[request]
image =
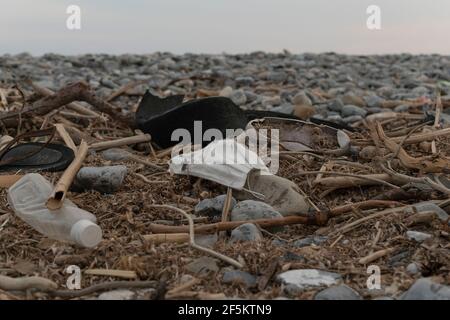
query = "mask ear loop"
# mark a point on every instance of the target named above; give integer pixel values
(41, 133)
(257, 195)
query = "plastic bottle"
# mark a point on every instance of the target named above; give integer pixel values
(27, 197)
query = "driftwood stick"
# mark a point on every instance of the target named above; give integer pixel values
(45, 105)
(364, 205)
(435, 165)
(147, 180)
(74, 115)
(79, 91)
(392, 115)
(102, 287)
(127, 274)
(145, 162)
(73, 105)
(318, 219)
(25, 283)
(417, 138)
(120, 142)
(413, 139)
(59, 192)
(227, 204)
(394, 103)
(3, 100)
(183, 287)
(361, 180)
(439, 108)
(124, 89)
(406, 192)
(356, 176)
(376, 255)
(66, 137)
(107, 108)
(165, 152)
(425, 217)
(437, 119)
(167, 238)
(198, 295)
(8, 180)
(226, 208)
(379, 214)
(425, 180)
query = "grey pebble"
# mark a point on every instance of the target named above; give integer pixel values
(213, 206)
(238, 97)
(350, 110)
(340, 292)
(203, 266)
(252, 210)
(426, 289)
(316, 240)
(418, 236)
(301, 279)
(246, 232)
(107, 179)
(239, 277)
(121, 294)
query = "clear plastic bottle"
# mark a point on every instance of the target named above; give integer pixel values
(27, 197)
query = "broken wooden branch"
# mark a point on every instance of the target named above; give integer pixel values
(147, 180)
(171, 294)
(408, 191)
(8, 180)
(120, 142)
(437, 117)
(425, 217)
(79, 91)
(429, 136)
(66, 137)
(394, 103)
(73, 105)
(167, 238)
(413, 139)
(379, 214)
(319, 218)
(58, 195)
(124, 88)
(354, 182)
(127, 274)
(376, 255)
(407, 179)
(364, 205)
(424, 164)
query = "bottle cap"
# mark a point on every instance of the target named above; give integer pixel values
(86, 233)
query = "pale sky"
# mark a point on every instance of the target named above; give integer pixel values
(231, 26)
